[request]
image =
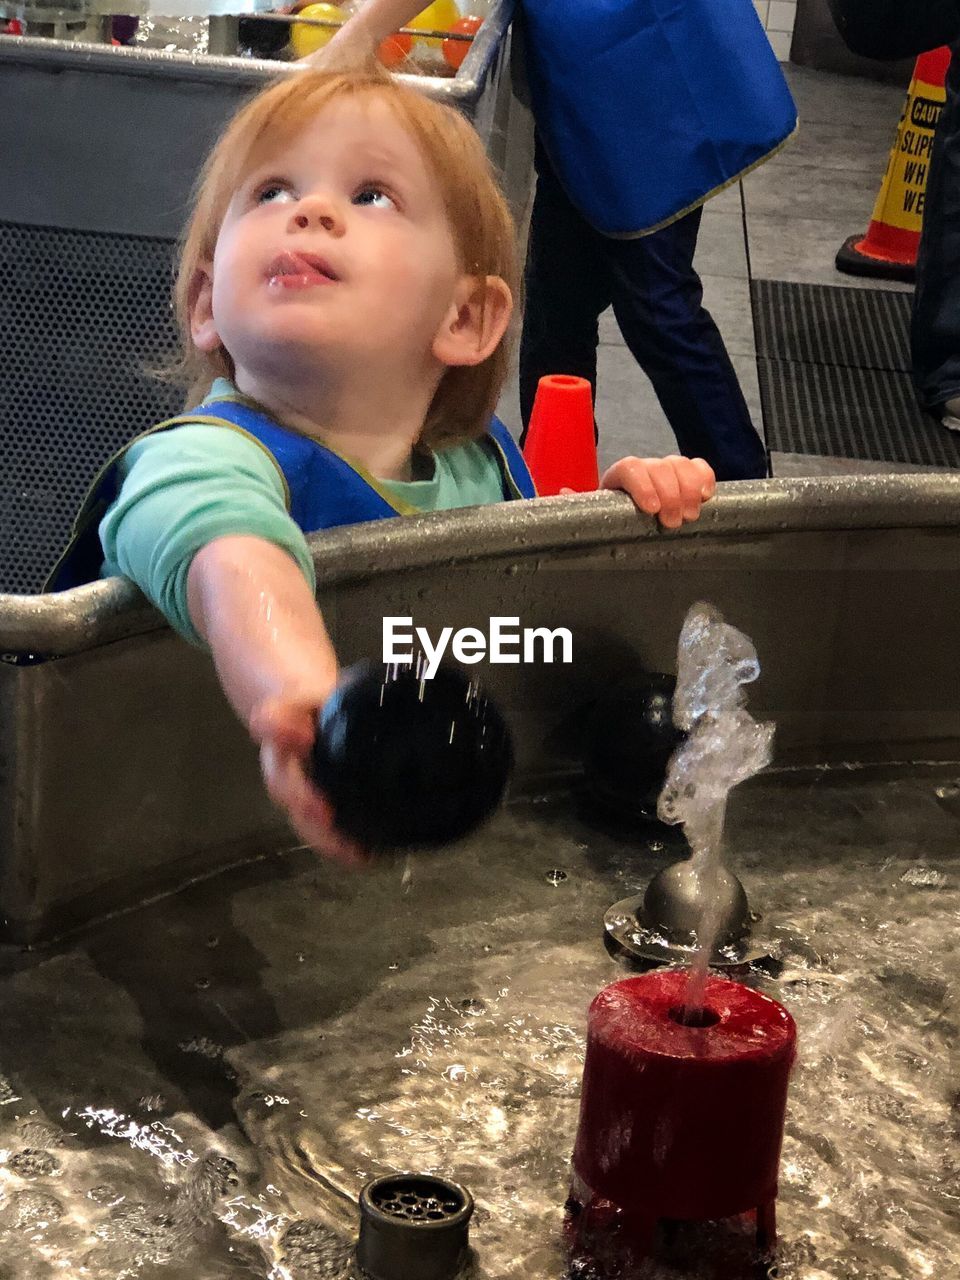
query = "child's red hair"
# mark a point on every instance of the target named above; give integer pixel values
(480, 222)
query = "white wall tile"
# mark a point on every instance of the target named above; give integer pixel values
(780, 40)
(781, 15)
(762, 6)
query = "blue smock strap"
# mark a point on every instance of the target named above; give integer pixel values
(511, 460)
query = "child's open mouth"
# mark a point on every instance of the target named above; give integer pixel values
(299, 271)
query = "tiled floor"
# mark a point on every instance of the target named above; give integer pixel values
(784, 222)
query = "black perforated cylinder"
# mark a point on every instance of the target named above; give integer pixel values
(413, 1227)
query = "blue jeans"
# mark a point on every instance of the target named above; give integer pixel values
(935, 335)
(573, 274)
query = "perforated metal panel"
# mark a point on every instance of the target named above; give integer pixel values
(83, 317)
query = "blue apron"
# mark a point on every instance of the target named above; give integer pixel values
(322, 489)
(648, 107)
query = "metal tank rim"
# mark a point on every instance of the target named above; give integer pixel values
(460, 90)
(85, 617)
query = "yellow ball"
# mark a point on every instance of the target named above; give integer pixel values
(305, 39)
(438, 16)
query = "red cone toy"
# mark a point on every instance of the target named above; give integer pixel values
(561, 451)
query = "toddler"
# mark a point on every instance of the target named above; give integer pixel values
(345, 286)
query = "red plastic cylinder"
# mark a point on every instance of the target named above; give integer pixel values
(682, 1121)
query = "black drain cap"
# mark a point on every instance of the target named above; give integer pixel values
(413, 1227)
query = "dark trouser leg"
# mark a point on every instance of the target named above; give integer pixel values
(935, 335)
(658, 301)
(566, 289)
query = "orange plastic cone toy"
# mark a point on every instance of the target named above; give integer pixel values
(560, 450)
(889, 249)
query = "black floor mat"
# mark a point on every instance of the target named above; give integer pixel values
(834, 375)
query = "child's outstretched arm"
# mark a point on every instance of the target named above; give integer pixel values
(673, 489)
(359, 37)
(250, 601)
(200, 524)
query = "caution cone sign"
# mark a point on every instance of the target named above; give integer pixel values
(889, 249)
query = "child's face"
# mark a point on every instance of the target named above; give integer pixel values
(336, 251)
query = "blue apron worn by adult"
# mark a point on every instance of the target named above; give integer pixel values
(322, 490)
(648, 107)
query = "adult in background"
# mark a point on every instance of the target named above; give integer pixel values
(888, 29)
(640, 117)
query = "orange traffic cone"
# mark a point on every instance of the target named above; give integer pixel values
(561, 450)
(889, 249)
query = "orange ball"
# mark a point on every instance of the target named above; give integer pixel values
(454, 51)
(395, 49)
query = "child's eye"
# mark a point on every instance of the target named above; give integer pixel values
(274, 193)
(375, 197)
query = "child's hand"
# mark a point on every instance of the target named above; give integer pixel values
(673, 489)
(285, 730)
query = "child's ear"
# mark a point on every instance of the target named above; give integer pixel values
(203, 330)
(476, 322)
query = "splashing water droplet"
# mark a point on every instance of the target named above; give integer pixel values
(924, 878)
(31, 1163)
(34, 1209)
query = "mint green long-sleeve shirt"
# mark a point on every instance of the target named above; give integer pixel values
(181, 489)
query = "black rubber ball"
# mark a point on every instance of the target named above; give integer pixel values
(630, 737)
(410, 763)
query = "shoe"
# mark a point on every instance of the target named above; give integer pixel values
(950, 414)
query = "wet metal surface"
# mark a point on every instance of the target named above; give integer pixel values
(104, 611)
(199, 1088)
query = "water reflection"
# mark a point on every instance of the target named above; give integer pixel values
(151, 1125)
